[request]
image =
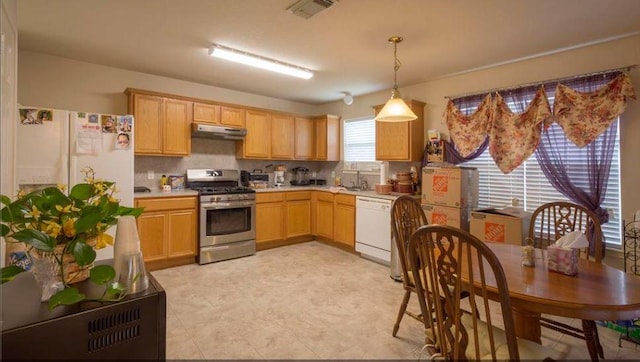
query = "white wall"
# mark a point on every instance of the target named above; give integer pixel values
(610, 55)
(49, 81)
(45, 80)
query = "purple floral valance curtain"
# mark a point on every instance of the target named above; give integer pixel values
(582, 125)
(514, 136)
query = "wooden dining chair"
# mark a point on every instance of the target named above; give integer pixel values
(457, 263)
(406, 217)
(549, 223)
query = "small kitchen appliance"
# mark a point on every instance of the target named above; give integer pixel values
(227, 215)
(278, 180)
(300, 176)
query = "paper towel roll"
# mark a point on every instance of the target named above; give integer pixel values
(383, 173)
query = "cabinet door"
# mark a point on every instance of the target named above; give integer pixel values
(177, 125)
(149, 131)
(324, 221)
(182, 228)
(269, 222)
(282, 134)
(344, 224)
(333, 139)
(401, 141)
(304, 144)
(327, 138)
(257, 143)
(392, 141)
(152, 235)
(298, 218)
(232, 116)
(206, 113)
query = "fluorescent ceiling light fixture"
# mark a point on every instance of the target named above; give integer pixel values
(257, 61)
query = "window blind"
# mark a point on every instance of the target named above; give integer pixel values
(360, 140)
(530, 187)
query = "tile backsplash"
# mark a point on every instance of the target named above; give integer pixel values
(221, 154)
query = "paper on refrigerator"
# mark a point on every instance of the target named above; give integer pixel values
(88, 134)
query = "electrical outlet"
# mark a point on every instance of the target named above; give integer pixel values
(150, 175)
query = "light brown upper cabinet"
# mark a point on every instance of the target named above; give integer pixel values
(282, 136)
(206, 113)
(257, 143)
(327, 138)
(401, 141)
(162, 124)
(232, 116)
(304, 142)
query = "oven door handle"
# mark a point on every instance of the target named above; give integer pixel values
(226, 205)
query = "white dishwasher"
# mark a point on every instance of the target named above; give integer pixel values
(373, 228)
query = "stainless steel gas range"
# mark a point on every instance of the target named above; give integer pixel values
(227, 221)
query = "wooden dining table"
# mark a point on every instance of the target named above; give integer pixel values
(597, 292)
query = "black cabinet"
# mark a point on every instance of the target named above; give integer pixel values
(134, 328)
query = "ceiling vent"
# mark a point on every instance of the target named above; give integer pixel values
(308, 8)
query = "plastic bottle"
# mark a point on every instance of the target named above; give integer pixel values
(163, 181)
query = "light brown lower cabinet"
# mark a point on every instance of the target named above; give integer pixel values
(269, 217)
(344, 220)
(324, 215)
(168, 231)
(298, 218)
(288, 217)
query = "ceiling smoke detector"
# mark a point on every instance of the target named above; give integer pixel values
(308, 8)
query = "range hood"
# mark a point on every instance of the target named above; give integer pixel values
(200, 130)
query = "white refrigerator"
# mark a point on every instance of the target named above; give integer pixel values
(53, 146)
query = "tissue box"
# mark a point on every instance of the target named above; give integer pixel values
(562, 260)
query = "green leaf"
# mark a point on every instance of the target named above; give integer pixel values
(81, 191)
(102, 274)
(83, 253)
(88, 219)
(4, 230)
(9, 272)
(5, 200)
(116, 291)
(35, 238)
(67, 296)
(134, 211)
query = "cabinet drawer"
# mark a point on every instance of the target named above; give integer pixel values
(298, 195)
(346, 200)
(269, 197)
(166, 203)
(325, 196)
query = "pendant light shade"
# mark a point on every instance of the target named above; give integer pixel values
(395, 110)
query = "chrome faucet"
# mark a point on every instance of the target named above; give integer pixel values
(362, 183)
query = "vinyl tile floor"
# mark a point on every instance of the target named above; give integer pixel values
(309, 301)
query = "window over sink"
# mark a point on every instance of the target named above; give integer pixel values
(360, 140)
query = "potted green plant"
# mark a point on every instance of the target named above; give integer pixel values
(66, 228)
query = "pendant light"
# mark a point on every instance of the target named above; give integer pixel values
(395, 110)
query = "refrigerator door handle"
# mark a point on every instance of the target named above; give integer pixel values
(73, 167)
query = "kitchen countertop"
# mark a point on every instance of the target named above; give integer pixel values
(368, 193)
(159, 193)
(189, 192)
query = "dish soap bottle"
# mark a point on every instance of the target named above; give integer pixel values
(163, 181)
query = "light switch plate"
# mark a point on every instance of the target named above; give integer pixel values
(150, 175)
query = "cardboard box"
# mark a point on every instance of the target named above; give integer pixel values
(446, 215)
(508, 225)
(450, 186)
